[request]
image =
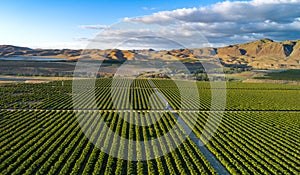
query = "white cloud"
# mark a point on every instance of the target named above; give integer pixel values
(220, 23)
(134, 36)
(228, 11)
(97, 26)
(149, 8)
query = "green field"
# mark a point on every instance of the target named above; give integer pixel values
(291, 74)
(40, 134)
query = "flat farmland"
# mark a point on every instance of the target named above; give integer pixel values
(41, 132)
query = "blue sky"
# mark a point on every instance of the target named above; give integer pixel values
(71, 24)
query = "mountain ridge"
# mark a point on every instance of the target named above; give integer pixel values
(263, 53)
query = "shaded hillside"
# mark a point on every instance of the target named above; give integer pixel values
(9, 50)
(263, 53)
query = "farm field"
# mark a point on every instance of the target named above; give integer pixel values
(291, 74)
(40, 134)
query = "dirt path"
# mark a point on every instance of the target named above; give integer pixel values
(214, 162)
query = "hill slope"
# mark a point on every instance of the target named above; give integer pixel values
(263, 53)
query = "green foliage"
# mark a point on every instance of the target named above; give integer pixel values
(256, 142)
(250, 140)
(291, 74)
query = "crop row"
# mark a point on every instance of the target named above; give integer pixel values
(254, 143)
(55, 144)
(138, 94)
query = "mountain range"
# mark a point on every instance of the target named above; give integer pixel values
(261, 54)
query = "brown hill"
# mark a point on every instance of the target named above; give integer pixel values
(9, 50)
(263, 53)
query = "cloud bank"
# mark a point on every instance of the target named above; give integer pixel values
(215, 25)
